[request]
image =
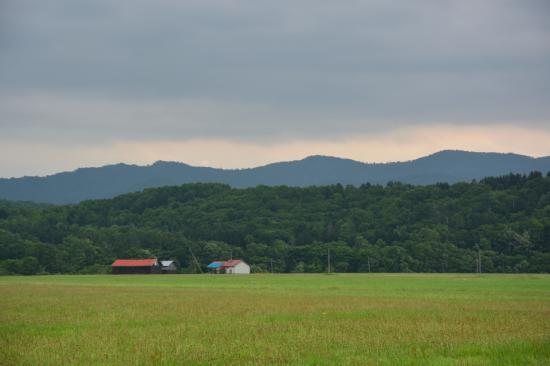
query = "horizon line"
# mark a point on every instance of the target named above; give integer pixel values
(273, 162)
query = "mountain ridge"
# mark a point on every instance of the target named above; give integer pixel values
(107, 181)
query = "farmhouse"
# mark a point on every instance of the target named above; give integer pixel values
(168, 267)
(232, 266)
(135, 266)
(236, 266)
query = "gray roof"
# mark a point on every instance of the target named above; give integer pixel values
(166, 263)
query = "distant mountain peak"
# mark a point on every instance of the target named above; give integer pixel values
(475, 153)
(105, 182)
(167, 163)
(321, 157)
(327, 158)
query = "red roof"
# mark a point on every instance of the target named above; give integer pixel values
(134, 263)
(231, 263)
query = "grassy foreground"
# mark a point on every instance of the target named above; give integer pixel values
(350, 319)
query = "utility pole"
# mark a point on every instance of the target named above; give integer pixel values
(328, 260)
(197, 264)
(231, 254)
(478, 260)
(271, 265)
(368, 262)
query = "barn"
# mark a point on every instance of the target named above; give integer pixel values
(135, 266)
(236, 266)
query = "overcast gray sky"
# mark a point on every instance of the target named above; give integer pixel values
(242, 83)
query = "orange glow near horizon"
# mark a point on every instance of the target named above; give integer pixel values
(398, 145)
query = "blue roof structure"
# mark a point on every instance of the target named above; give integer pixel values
(214, 265)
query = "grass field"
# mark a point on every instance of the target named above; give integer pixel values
(275, 319)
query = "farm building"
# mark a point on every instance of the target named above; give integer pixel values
(135, 266)
(168, 267)
(232, 266)
(236, 266)
(215, 266)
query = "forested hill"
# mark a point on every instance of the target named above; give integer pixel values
(110, 181)
(392, 228)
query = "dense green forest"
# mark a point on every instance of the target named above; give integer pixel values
(505, 221)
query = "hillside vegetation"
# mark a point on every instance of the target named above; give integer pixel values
(395, 228)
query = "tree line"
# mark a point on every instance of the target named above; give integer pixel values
(501, 224)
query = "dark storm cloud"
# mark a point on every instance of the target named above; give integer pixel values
(263, 69)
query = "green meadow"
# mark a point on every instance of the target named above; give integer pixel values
(344, 319)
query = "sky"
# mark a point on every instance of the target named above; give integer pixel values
(240, 83)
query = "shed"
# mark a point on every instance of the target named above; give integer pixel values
(135, 266)
(215, 266)
(236, 266)
(168, 266)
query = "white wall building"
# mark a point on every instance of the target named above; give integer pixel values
(236, 266)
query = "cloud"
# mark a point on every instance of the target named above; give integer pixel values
(76, 119)
(429, 60)
(89, 74)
